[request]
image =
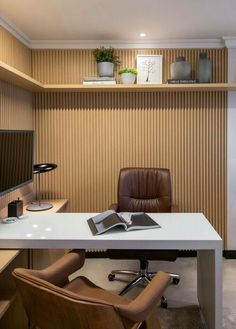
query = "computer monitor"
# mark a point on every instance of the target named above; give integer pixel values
(16, 159)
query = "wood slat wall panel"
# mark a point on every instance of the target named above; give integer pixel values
(92, 135)
(71, 65)
(14, 53)
(15, 113)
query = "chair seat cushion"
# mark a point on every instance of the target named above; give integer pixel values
(84, 287)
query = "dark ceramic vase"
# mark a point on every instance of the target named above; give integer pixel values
(180, 69)
(204, 68)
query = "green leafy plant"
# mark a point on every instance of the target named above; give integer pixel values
(129, 70)
(103, 54)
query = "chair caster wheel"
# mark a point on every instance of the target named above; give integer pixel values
(164, 303)
(175, 281)
(111, 277)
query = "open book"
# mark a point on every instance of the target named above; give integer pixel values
(128, 220)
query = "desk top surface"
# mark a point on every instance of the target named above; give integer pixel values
(70, 230)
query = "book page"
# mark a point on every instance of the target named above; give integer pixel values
(104, 222)
(126, 216)
(142, 221)
(100, 217)
(108, 222)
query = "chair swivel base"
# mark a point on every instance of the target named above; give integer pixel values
(39, 206)
(141, 276)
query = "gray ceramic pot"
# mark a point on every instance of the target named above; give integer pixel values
(204, 68)
(105, 69)
(180, 69)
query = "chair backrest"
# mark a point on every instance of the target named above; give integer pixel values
(52, 307)
(144, 189)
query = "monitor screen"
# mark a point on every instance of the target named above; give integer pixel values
(16, 159)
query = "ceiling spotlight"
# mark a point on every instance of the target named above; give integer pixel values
(142, 35)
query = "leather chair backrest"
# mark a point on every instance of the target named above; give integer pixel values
(51, 307)
(144, 189)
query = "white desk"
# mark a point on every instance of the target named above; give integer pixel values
(178, 231)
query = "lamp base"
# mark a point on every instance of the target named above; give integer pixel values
(39, 207)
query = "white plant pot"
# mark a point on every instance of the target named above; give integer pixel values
(128, 78)
(106, 69)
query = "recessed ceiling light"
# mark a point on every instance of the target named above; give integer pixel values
(142, 35)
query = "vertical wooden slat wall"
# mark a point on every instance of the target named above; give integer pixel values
(72, 65)
(15, 103)
(15, 113)
(14, 53)
(92, 135)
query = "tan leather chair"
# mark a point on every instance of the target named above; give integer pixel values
(52, 302)
(146, 190)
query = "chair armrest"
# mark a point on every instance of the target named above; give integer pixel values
(140, 308)
(174, 208)
(58, 272)
(113, 206)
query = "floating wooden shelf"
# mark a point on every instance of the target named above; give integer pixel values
(9, 259)
(5, 303)
(6, 257)
(144, 87)
(14, 76)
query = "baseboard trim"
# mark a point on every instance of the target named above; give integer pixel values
(229, 254)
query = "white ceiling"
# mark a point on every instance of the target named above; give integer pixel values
(120, 19)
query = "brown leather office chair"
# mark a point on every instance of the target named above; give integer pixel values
(52, 302)
(146, 190)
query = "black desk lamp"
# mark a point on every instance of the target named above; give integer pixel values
(40, 169)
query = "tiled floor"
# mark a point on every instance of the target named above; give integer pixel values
(185, 293)
(98, 269)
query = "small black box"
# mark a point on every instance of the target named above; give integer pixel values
(15, 208)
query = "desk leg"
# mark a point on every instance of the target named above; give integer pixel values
(209, 286)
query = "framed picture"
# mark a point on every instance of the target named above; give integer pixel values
(149, 69)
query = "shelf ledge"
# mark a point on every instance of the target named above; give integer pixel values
(14, 76)
(5, 303)
(6, 257)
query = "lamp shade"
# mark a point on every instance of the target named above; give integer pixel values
(43, 167)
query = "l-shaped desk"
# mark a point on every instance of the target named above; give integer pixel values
(184, 231)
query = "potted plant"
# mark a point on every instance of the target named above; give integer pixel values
(128, 75)
(106, 59)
